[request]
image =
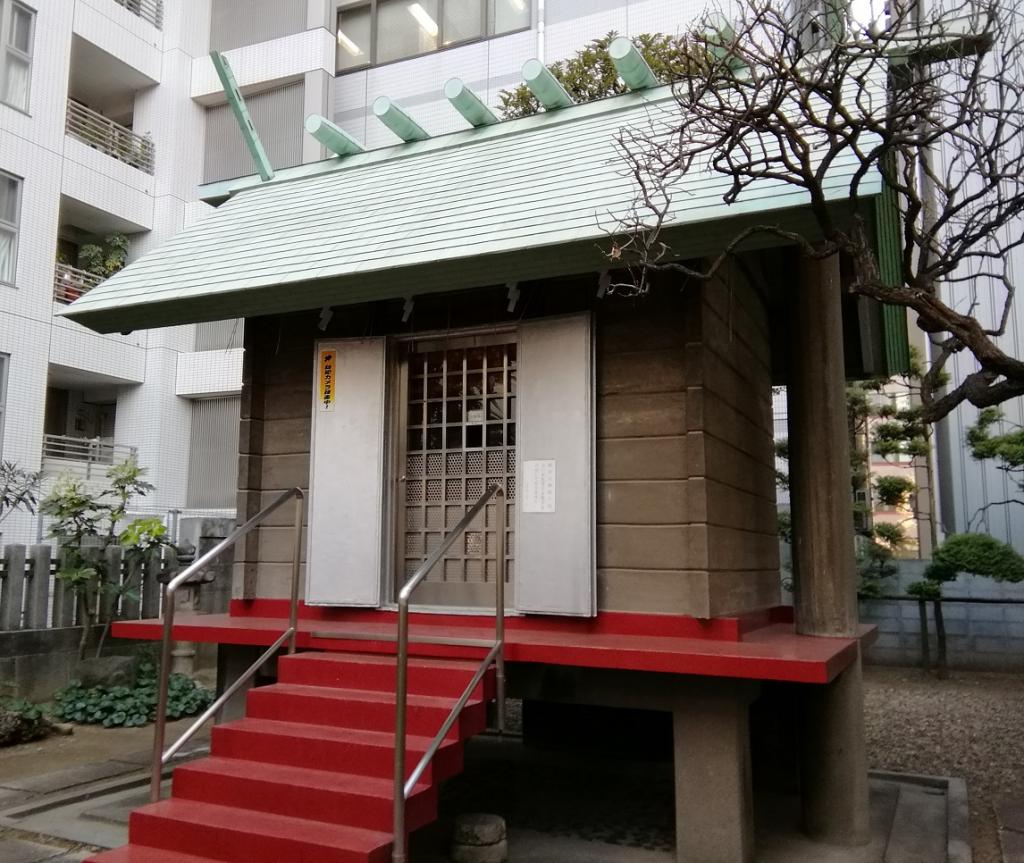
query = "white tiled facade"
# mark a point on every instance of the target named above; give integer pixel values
(157, 77)
(128, 66)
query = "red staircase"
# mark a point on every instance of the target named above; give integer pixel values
(307, 775)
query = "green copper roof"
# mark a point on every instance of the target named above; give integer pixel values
(510, 201)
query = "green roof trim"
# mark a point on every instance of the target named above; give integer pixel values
(890, 265)
(522, 199)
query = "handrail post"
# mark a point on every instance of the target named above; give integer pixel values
(398, 848)
(501, 524)
(398, 853)
(293, 619)
(164, 672)
(169, 590)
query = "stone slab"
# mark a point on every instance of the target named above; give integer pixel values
(20, 851)
(919, 828)
(61, 780)
(1010, 814)
(1012, 844)
(117, 812)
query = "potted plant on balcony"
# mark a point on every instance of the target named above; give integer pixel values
(106, 257)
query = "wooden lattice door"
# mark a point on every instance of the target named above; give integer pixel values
(458, 436)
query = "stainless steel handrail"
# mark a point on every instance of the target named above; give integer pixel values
(160, 724)
(402, 788)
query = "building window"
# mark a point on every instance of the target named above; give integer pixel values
(5, 362)
(385, 30)
(10, 212)
(17, 25)
(213, 455)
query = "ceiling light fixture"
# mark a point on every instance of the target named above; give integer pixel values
(428, 24)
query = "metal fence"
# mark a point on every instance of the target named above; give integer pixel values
(83, 456)
(69, 283)
(149, 10)
(32, 597)
(109, 137)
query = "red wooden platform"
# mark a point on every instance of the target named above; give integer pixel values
(762, 646)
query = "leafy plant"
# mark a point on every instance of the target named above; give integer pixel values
(994, 438)
(894, 492)
(975, 554)
(105, 258)
(122, 706)
(876, 558)
(590, 73)
(77, 514)
(21, 721)
(19, 489)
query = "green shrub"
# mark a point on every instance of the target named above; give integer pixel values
(116, 706)
(926, 589)
(590, 73)
(893, 491)
(21, 721)
(975, 554)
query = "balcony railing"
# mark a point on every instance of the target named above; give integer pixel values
(109, 137)
(88, 457)
(148, 10)
(69, 283)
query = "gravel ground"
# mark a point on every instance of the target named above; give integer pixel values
(971, 726)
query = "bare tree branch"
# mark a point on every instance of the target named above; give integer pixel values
(802, 100)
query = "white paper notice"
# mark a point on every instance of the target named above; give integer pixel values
(538, 493)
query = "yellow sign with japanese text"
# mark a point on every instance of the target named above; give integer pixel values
(328, 379)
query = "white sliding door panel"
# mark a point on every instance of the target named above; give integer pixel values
(344, 557)
(555, 564)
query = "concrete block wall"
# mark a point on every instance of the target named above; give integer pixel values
(978, 636)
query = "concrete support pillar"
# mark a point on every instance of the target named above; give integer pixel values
(232, 662)
(833, 759)
(714, 806)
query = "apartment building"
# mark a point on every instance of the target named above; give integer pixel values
(113, 122)
(99, 137)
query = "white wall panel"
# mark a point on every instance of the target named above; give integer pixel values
(203, 374)
(259, 66)
(347, 478)
(122, 34)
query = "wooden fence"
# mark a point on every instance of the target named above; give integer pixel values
(32, 597)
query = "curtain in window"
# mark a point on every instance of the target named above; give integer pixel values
(15, 76)
(7, 255)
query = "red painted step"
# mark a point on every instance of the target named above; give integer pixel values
(306, 777)
(319, 795)
(324, 747)
(142, 854)
(356, 708)
(239, 835)
(377, 673)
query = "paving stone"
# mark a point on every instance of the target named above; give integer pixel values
(1013, 846)
(61, 780)
(496, 853)
(118, 811)
(1010, 813)
(478, 828)
(11, 797)
(20, 851)
(919, 826)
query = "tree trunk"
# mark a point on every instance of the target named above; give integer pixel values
(926, 653)
(941, 669)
